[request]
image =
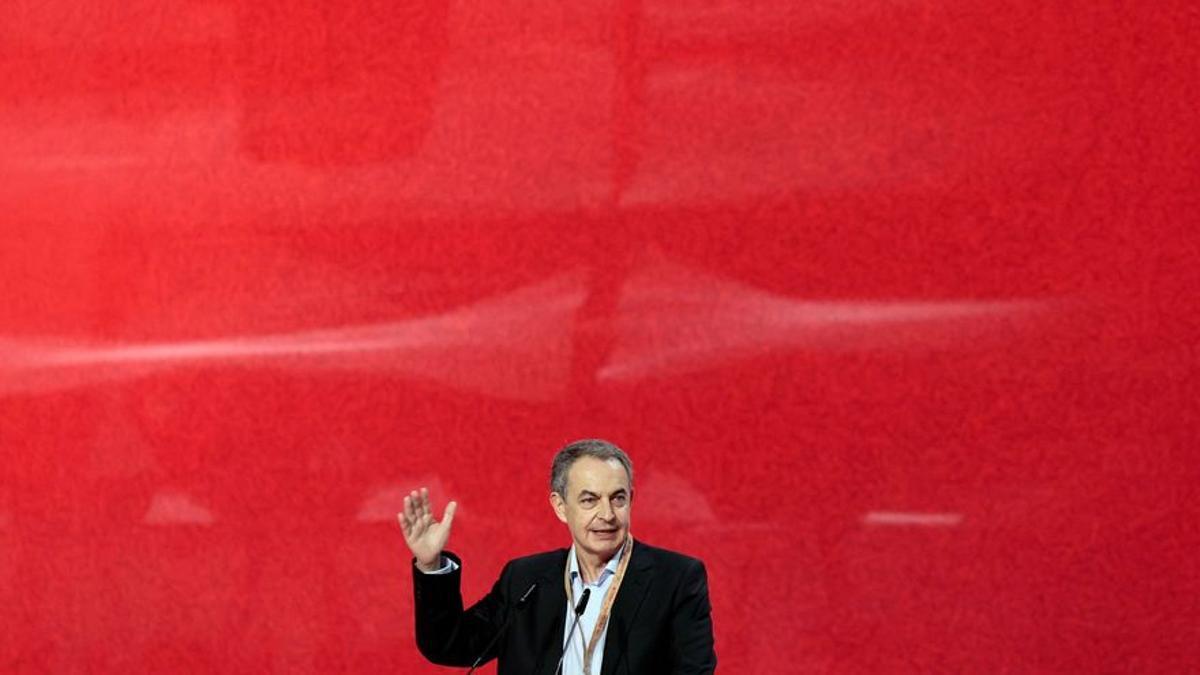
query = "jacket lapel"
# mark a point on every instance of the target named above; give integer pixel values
(625, 608)
(551, 603)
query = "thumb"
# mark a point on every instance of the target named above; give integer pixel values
(448, 516)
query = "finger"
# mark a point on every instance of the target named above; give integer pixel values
(416, 502)
(410, 509)
(408, 522)
(410, 506)
(426, 505)
(417, 520)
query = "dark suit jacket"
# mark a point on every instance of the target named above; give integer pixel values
(661, 621)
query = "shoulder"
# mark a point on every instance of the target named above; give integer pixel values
(537, 560)
(537, 565)
(645, 554)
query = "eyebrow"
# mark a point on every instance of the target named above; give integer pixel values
(589, 493)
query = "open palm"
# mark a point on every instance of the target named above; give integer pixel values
(425, 536)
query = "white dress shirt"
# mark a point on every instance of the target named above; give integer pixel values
(573, 660)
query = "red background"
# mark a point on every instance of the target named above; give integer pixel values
(893, 304)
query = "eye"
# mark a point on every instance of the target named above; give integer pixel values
(587, 501)
(619, 500)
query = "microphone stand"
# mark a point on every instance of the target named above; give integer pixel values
(511, 615)
(583, 600)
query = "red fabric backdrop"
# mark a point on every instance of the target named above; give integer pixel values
(893, 303)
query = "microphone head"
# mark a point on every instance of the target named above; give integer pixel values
(583, 599)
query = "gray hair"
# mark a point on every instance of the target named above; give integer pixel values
(589, 447)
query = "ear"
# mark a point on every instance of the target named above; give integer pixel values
(560, 506)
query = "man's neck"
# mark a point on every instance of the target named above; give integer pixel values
(592, 566)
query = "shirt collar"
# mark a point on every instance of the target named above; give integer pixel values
(609, 569)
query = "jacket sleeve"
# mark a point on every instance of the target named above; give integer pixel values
(447, 634)
(691, 625)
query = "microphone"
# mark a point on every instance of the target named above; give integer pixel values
(587, 593)
(511, 615)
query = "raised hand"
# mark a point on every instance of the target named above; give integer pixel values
(425, 536)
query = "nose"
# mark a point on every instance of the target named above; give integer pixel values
(606, 510)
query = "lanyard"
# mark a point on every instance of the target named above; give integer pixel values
(609, 598)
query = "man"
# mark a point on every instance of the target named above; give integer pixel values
(647, 611)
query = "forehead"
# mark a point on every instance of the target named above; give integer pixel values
(602, 476)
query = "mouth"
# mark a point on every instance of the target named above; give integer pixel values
(605, 533)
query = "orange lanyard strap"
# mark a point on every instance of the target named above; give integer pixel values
(609, 598)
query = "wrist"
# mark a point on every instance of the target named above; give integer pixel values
(433, 566)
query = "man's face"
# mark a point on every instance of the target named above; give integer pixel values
(597, 505)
